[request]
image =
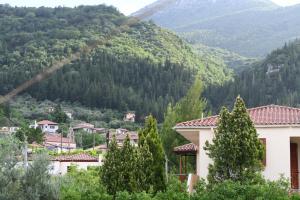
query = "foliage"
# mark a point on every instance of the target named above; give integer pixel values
(88, 140)
(111, 173)
(59, 115)
(149, 135)
(83, 185)
(190, 107)
(25, 109)
(141, 67)
(16, 183)
(229, 189)
(236, 151)
(30, 135)
(274, 80)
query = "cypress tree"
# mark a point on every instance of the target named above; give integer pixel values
(127, 167)
(149, 135)
(111, 169)
(143, 171)
(236, 150)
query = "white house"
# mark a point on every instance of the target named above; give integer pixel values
(120, 138)
(129, 117)
(87, 127)
(46, 126)
(9, 130)
(61, 164)
(58, 143)
(278, 128)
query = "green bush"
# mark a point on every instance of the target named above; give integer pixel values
(228, 190)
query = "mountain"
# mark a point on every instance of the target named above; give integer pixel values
(274, 80)
(135, 66)
(248, 27)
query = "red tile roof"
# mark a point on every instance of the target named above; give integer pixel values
(48, 138)
(46, 122)
(261, 116)
(187, 148)
(76, 158)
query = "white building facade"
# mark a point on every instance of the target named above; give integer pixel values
(60, 165)
(46, 126)
(278, 127)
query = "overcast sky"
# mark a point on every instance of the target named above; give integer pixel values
(125, 6)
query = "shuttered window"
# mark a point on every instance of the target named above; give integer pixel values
(264, 143)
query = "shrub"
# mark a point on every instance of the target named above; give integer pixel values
(228, 190)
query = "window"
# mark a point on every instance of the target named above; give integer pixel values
(52, 127)
(264, 143)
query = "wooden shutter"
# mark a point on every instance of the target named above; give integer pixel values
(264, 143)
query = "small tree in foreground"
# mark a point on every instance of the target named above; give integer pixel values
(236, 150)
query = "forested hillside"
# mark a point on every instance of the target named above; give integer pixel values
(275, 80)
(250, 28)
(141, 67)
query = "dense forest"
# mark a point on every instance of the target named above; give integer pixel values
(275, 80)
(140, 67)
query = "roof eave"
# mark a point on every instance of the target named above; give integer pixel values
(256, 126)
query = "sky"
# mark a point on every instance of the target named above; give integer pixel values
(125, 6)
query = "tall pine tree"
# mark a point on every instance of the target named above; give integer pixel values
(236, 150)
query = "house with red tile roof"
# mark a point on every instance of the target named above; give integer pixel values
(58, 143)
(87, 127)
(46, 126)
(61, 164)
(278, 128)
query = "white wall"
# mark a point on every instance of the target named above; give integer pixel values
(277, 151)
(61, 168)
(49, 128)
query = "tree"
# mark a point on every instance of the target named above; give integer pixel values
(149, 136)
(236, 151)
(59, 115)
(30, 135)
(16, 183)
(189, 107)
(143, 171)
(111, 169)
(128, 164)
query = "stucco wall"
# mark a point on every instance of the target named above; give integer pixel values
(49, 128)
(277, 150)
(61, 168)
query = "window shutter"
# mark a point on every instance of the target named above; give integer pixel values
(264, 143)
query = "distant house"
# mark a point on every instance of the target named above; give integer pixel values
(60, 165)
(69, 114)
(129, 117)
(120, 138)
(58, 143)
(121, 131)
(278, 129)
(50, 109)
(87, 127)
(8, 130)
(46, 126)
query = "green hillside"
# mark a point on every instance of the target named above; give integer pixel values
(140, 67)
(251, 28)
(275, 80)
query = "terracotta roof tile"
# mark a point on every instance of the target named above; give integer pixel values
(48, 138)
(76, 158)
(46, 122)
(187, 148)
(264, 115)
